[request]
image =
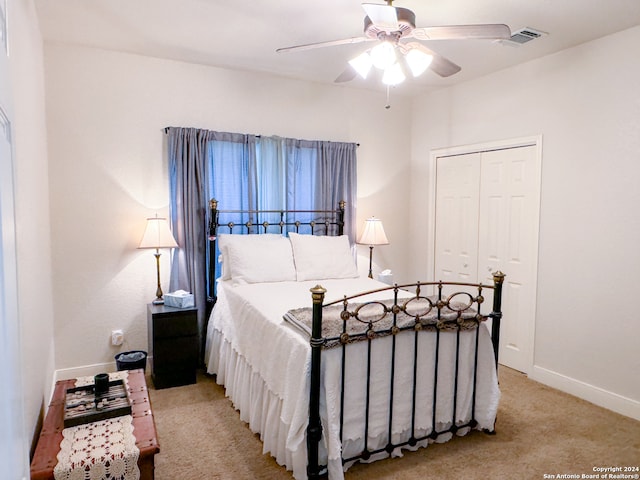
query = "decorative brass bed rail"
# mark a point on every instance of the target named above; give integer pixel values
(441, 314)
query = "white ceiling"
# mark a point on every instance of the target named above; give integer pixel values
(244, 34)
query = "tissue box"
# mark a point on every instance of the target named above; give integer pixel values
(386, 278)
(179, 299)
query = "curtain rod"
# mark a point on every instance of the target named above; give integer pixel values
(166, 130)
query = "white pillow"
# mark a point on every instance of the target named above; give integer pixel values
(224, 239)
(321, 257)
(223, 242)
(257, 258)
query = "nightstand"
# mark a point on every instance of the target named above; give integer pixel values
(173, 345)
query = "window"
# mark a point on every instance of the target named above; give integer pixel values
(270, 173)
(274, 173)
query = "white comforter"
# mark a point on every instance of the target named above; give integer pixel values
(264, 364)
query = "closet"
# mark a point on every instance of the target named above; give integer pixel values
(486, 219)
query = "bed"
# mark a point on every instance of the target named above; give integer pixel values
(331, 368)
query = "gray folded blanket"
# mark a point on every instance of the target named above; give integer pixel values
(362, 321)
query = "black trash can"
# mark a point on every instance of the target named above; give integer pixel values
(131, 360)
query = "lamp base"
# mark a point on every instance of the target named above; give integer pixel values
(159, 300)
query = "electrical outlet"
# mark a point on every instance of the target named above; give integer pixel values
(117, 337)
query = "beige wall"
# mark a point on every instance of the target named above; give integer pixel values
(585, 102)
(31, 186)
(106, 112)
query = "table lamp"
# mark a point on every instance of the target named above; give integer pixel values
(373, 234)
(157, 235)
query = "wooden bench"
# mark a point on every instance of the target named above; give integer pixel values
(144, 429)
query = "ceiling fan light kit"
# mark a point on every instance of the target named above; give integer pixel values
(390, 26)
(385, 56)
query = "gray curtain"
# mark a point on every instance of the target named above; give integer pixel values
(187, 149)
(337, 176)
(334, 178)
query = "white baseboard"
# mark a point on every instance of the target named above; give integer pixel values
(84, 371)
(596, 395)
(75, 372)
(88, 370)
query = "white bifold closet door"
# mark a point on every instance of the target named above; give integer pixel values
(486, 220)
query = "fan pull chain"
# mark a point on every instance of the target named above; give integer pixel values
(388, 105)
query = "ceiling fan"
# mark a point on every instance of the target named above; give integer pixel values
(390, 27)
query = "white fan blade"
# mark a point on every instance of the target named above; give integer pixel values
(346, 76)
(462, 32)
(331, 43)
(383, 16)
(440, 65)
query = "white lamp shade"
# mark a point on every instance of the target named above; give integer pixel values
(393, 75)
(362, 64)
(418, 61)
(373, 233)
(383, 55)
(157, 234)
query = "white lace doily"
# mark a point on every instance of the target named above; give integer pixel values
(103, 450)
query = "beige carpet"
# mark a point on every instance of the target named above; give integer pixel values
(539, 431)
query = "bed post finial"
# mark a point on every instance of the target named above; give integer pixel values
(317, 294)
(314, 429)
(496, 314)
(213, 218)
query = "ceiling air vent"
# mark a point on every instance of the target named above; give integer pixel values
(524, 35)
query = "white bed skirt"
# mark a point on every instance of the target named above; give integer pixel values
(258, 406)
(261, 409)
